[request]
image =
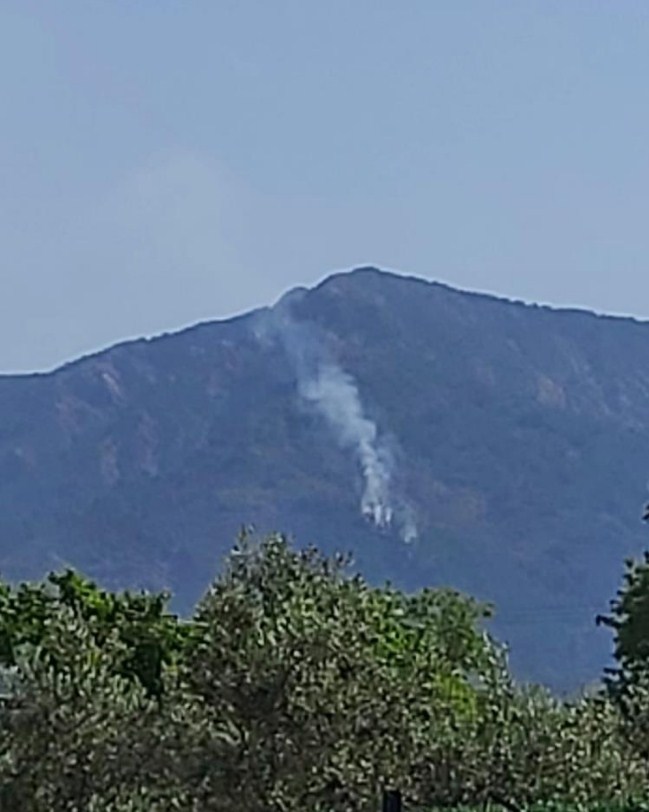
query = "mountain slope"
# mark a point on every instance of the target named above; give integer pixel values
(517, 436)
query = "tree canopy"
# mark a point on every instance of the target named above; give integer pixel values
(294, 686)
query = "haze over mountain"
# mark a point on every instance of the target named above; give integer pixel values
(443, 437)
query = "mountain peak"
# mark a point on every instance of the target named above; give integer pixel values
(516, 434)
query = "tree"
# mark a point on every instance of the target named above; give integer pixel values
(294, 686)
(350, 683)
(152, 636)
(629, 620)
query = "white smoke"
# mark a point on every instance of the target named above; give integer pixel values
(408, 523)
(335, 395)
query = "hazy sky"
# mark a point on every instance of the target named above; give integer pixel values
(168, 161)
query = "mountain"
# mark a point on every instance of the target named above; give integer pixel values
(515, 437)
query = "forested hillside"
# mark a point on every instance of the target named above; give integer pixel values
(444, 438)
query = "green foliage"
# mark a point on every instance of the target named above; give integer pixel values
(78, 736)
(342, 677)
(629, 620)
(152, 637)
(293, 687)
(627, 684)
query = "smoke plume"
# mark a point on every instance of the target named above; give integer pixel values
(334, 394)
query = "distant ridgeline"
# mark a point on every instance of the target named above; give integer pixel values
(442, 437)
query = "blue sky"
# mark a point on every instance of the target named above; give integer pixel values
(169, 161)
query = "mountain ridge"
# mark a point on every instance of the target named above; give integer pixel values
(517, 434)
(170, 333)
